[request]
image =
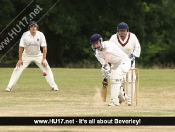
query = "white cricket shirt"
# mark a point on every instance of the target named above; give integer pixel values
(117, 55)
(31, 43)
(130, 45)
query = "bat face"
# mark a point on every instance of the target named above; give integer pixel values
(104, 89)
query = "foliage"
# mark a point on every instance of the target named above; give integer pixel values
(69, 24)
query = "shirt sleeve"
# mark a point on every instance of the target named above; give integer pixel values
(21, 43)
(112, 39)
(100, 59)
(43, 40)
(137, 48)
(109, 47)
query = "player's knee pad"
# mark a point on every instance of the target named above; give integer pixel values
(115, 80)
(115, 77)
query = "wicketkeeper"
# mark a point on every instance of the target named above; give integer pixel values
(29, 51)
(107, 53)
(129, 44)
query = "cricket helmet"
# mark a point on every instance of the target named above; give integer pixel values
(122, 26)
(95, 38)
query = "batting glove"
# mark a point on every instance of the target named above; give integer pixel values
(106, 76)
(132, 57)
(106, 71)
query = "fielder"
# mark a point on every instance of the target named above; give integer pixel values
(128, 43)
(30, 42)
(107, 52)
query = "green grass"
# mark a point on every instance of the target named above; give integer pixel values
(79, 95)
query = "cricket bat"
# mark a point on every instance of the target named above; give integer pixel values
(104, 89)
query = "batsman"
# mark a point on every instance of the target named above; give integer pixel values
(108, 53)
(129, 44)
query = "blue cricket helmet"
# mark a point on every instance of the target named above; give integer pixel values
(122, 26)
(95, 38)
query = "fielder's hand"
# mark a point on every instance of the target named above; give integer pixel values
(132, 57)
(44, 63)
(19, 63)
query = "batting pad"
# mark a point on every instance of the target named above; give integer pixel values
(115, 85)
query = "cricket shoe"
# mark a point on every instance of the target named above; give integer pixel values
(113, 103)
(55, 88)
(8, 89)
(130, 103)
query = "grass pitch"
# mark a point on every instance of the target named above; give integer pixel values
(79, 95)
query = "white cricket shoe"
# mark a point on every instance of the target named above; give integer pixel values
(113, 103)
(8, 89)
(55, 88)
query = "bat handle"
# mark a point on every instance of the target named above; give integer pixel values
(105, 82)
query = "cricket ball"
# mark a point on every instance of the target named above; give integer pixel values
(44, 73)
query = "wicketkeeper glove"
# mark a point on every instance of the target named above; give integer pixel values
(106, 71)
(132, 57)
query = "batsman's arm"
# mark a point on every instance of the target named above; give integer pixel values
(107, 57)
(100, 59)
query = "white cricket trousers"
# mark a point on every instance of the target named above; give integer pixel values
(27, 59)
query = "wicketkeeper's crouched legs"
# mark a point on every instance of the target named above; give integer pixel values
(115, 88)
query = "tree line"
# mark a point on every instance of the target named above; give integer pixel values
(68, 25)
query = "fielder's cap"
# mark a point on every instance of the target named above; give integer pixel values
(122, 26)
(33, 23)
(95, 38)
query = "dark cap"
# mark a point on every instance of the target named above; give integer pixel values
(33, 23)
